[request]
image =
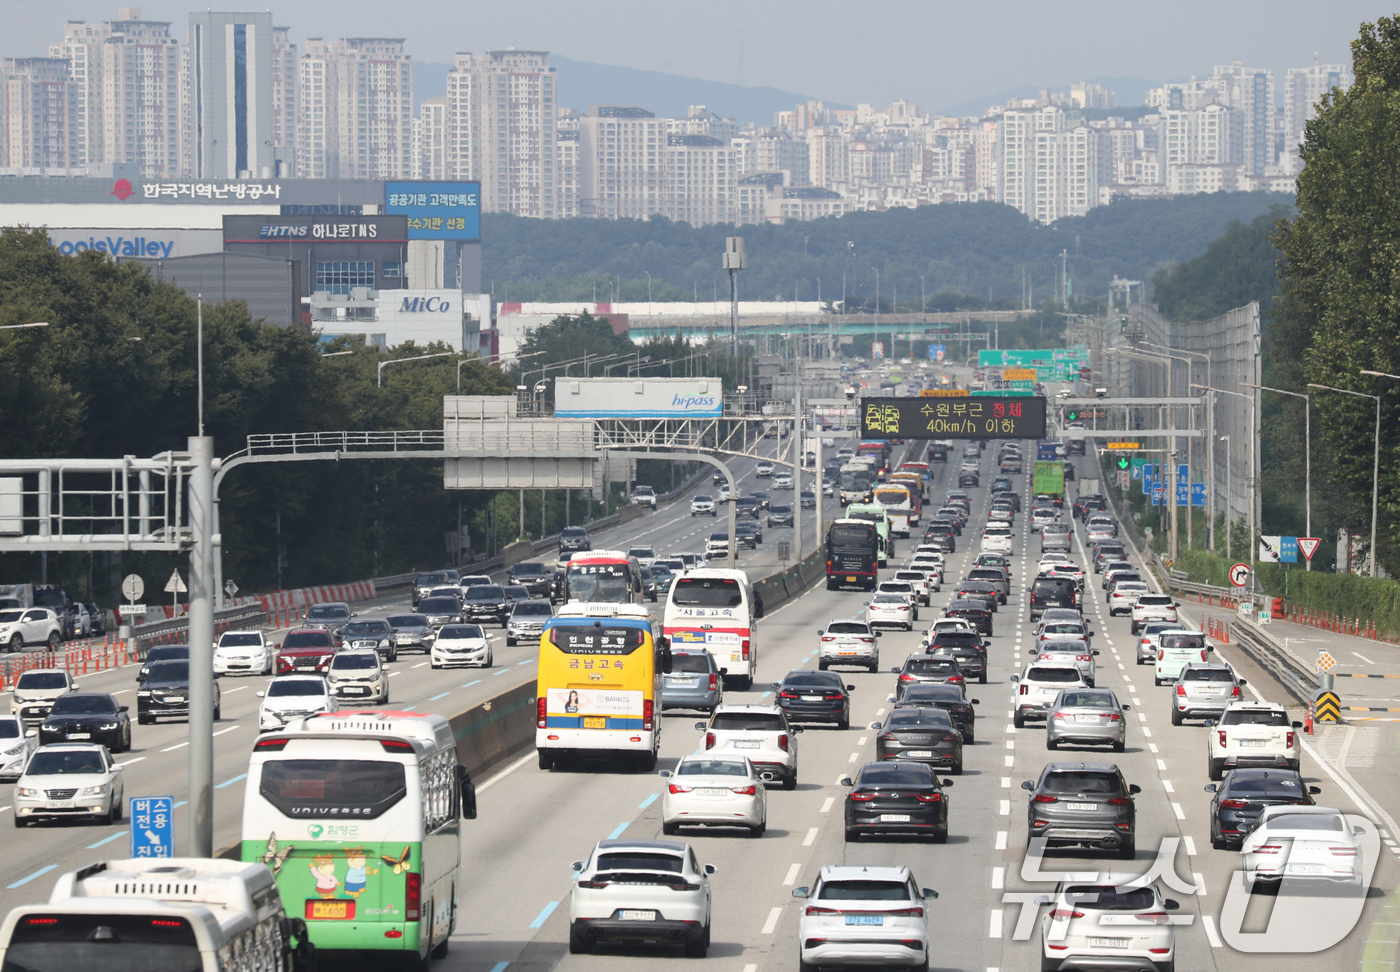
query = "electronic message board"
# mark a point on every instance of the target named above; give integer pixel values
(1009, 417)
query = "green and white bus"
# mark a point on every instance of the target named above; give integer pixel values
(358, 816)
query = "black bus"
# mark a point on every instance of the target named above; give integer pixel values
(851, 555)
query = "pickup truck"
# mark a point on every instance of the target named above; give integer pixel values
(1251, 734)
(1037, 688)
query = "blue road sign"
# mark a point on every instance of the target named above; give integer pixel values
(152, 826)
(1183, 472)
(1183, 493)
(1158, 490)
(1137, 471)
(1198, 494)
(1288, 550)
(1146, 481)
(936, 352)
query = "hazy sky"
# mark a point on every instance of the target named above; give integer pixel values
(933, 52)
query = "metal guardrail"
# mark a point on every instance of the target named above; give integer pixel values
(1275, 659)
(145, 634)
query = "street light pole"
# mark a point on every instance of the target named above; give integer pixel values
(877, 316)
(1307, 450)
(1376, 469)
(1229, 545)
(1253, 481)
(379, 376)
(648, 273)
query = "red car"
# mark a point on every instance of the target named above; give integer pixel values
(306, 650)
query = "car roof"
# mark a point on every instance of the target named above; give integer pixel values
(1257, 706)
(1080, 767)
(748, 707)
(864, 872)
(70, 747)
(665, 846)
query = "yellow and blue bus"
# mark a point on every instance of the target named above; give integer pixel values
(598, 691)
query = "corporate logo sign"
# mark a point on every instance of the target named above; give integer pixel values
(314, 229)
(127, 246)
(322, 231)
(425, 305)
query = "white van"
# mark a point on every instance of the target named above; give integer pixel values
(1177, 649)
(716, 608)
(187, 913)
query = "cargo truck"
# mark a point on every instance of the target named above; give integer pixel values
(1049, 481)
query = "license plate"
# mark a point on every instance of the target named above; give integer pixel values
(916, 753)
(682, 681)
(712, 791)
(330, 909)
(595, 722)
(850, 580)
(80, 735)
(637, 915)
(173, 699)
(356, 690)
(746, 744)
(1212, 691)
(811, 698)
(894, 818)
(1081, 806)
(1253, 743)
(865, 919)
(1092, 719)
(1306, 869)
(60, 804)
(1108, 942)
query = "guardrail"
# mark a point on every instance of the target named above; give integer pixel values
(1278, 661)
(164, 632)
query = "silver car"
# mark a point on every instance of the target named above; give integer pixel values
(1086, 716)
(1089, 804)
(694, 682)
(1202, 691)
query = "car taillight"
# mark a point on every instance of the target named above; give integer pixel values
(907, 912)
(594, 885)
(1161, 654)
(862, 797)
(413, 895)
(1343, 851)
(1221, 734)
(1289, 743)
(541, 714)
(1268, 848)
(1114, 717)
(648, 708)
(744, 790)
(1063, 914)
(1120, 802)
(1203, 654)
(1025, 690)
(1154, 918)
(1181, 690)
(906, 677)
(1044, 798)
(817, 910)
(1235, 804)
(714, 681)
(834, 696)
(677, 788)
(1235, 692)
(928, 797)
(889, 737)
(709, 740)
(744, 649)
(825, 639)
(787, 695)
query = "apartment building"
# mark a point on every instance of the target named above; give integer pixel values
(140, 94)
(622, 162)
(1016, 159)
(37, 102)
(374, 107)
(702, 175)
(286, 76)
(228, 96)
(81, 47)
(566, 160)
(430, 140)
(828, 157)
(318, 135)
(1303, 89)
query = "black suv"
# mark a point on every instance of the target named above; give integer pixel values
(534, 577)
(166, 692)
(487, 602)
(941, 535)
(1055, 592)
(574, 538)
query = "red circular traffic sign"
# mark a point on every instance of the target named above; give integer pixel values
(1239, 574)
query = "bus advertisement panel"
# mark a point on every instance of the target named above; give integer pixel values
(599, 683)
(604, 577)
(716, 608)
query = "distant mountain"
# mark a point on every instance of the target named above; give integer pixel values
(584, 83)
(1130, 91)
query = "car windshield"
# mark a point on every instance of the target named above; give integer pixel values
(923, 718)
(236, 639)
(1080, 781)
(1254, 717)
(747, 721)
(363, 629)
(932, 693)
(446, 605)
(534, 609)
(431, 580)
(48, 762)
(1330, 822)
(1277, 787)
(1192, 641)
(527, 570)
(682, 661)
(848, 627)
(639, 860)
(575, 532)
(931, 666)
(161, 654)
(10, 617)
(333, 612)
(815, 679)
(354, 661)
(707, 592)
(1063, 629)
(281, 687)
(890, 599)
(712, 767)
(41, 681)
(1107, 898)
(641, 553)
(453, 632)
(308, 639)
(1207, 675)
(484, 593)
(169, 671)
(1052, 675)
(895, 774)
(864, 891)
(408, 621)
(83, 705)
(779, 508)
(1088, 700)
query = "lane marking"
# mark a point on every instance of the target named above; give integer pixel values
(25, 880)
(995, 930)
(442, 696)
(1001, 840)
(1011, 761)
(998, 878)
(500, 967)
(648, 801)
(470, 684)
(862, 740)
(1190, 845)
(394, 673)
(134, 759)
(772, 923)
(879, 712)
(240, 776)
(104, 840)
(1146, 731)
(1176, 809)
(854, 757)
(1211, 933)
(171, 749)
(229, 729)
(1167, 785)
(543, 916)
(827, 805)
(420, 664)
(528, 661)
(1005, 808)
(617, 831)
(1200, 884)
(792, 875)
(232, 690)
(1363, 657)
(506, 772)
(1006, 782)
(811, 837)
(1162, 764)
(1152, 747)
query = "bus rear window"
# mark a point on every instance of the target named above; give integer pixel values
(709, 592)
(341, 789)
(113, 943)
(851, 535)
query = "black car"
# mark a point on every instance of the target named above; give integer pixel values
(969, 649)
(447, 610)
(1241, 799)
(1002, 484)
(748, 534)
(1053, 592)
(942, 518)
(533, 576)
(780, 515)
(648, 584)
(999, 577)
(1069, 472)
(762, 496)
(927, 670)
(747, 508)
(166, 692)
(574, 538)
(966, 479)
(486, 603)
(974, 612)
(375, 633)
(898, 797)
(806, 696)
(924, 735)
(950, 699)
(980, 590)
(162, 653)
(87, 717)
(937, 452)
(941, 536)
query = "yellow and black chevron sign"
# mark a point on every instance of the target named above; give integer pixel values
(1329, 707)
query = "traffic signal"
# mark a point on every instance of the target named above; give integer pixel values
(1073, 414)
(1122, 462)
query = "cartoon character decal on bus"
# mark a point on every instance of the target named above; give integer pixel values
(356, 871)
(323, 870)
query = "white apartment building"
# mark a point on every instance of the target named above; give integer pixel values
(37, 106)
(702, 175)
(1250, 94)
(373, 107)
(82, 49)
(140, 94)
(828, 157)
(1303, 88)
(622, 162)
(1198, 136)
(286, 72)
(430, 140)
(1190, 178)
(318, 137)
(1085, 95)
(566, 160)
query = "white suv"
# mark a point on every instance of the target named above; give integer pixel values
(1153, 607)
(291, 697)
(703, 505)
(30, 626)
(863, 915)
(644, 496)
(641, 891)
(848, 641)
(760, 732)
(1108, 921)
(1251, 734)
(35, 691)
(996, 539)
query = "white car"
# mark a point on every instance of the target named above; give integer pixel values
(1123, 596)
(1067, 652)
(35, 691)
(1153, 607)
(723, 791)
(15, 747)
(1304, 844)
(760, 733)
(782, 480)
(641, 891)
(69, 780)
(644, 496)
(919, 581)
(357, 676)
(1073, 571)
(863, 915)
(931, 566)
(1251, 734)
(291, 697)
(891, 611)
(724, 492)
(763, 469)
(245, 652)
(646, 556)
(1111, 921)
(902, 587)
(1038, 686)
(703, 505)
(30, 626)
(1150, 640)
(849, 642)
(997, 539)
(526, 622)
(461, 644)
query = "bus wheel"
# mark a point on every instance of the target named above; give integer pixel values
(440, 950)
(647, 762)
(546, 761)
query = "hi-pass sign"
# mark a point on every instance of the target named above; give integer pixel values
(1010, 417)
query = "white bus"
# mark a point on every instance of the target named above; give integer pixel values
(171, 914)
(358, 815)
(715, 608)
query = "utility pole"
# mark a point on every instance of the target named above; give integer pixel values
(734, 260)
(201, 665)
(799, 453)
(1064, 279)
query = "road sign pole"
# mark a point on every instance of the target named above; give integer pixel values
(201, 633)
